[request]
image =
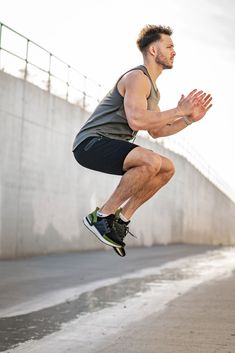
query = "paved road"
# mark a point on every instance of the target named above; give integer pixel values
(97, 302)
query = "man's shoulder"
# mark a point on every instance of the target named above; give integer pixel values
(138, 71)
(136, 74)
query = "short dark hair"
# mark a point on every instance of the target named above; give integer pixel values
(150, 34)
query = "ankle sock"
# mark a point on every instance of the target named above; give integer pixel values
(123, 218)
(101, 214)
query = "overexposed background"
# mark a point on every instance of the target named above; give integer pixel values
(98, 38)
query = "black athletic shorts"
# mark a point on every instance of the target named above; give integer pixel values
(103, 154)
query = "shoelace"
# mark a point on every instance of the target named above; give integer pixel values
(123, 230)
(107, 225)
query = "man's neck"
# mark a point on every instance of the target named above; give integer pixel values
(154, 69)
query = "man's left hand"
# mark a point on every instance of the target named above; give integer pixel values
(201, 107)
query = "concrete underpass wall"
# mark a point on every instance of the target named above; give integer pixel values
(44, 193)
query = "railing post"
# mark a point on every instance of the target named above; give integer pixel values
(26, 61)
(49, 75)
(84, 93)
(67, 83)
(0, 44)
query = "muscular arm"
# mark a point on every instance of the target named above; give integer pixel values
(136, 91)
(200, 109)
(178, 125)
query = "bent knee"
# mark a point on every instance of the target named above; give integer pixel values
(167, 166)
(147, 170)
(171, 169)
(148, 160)
(168, 170)
(153, 162)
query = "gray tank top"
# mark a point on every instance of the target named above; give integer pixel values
(109, 118)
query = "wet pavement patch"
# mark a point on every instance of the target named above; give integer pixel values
(36, 325)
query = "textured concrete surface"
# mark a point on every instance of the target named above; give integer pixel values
(166, 299)
(24, 279)
(44, 193)
(201, 321)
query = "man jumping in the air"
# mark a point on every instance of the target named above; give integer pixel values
(132, 105)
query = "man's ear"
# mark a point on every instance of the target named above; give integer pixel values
(153, 47)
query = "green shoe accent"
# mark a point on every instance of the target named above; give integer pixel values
(117, 213)
(93, 216)
(120, 251)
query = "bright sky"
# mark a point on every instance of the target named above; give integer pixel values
(98, 37)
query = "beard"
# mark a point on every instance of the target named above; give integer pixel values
(162, 60)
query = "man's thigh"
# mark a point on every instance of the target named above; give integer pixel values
(141, 156)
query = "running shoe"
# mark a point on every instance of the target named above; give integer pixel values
(122, 229)
(103, 228)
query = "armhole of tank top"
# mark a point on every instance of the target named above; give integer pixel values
(152, 85)
(136, 68)
(116, 85)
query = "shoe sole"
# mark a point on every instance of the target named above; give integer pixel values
(98, 235)
(120, 251)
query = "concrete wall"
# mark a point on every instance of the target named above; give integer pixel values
(44, 193)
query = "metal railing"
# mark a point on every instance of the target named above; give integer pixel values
(24, 58)
(183, 148)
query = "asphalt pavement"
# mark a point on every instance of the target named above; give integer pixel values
(175, 298)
